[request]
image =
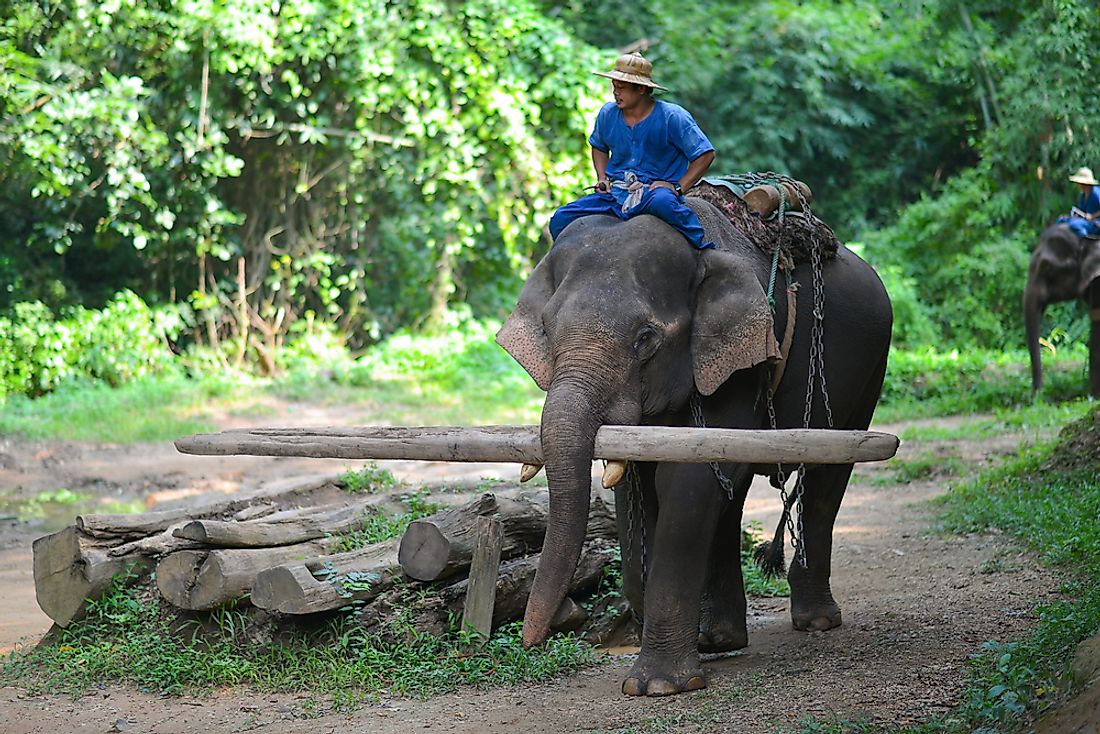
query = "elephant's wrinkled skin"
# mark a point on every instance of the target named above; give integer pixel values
(1063, 267)
(620, 322)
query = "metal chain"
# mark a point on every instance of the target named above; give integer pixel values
(700, 422)
(635, 489)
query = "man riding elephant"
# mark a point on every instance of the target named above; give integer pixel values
(646, 154)
(1082, 218)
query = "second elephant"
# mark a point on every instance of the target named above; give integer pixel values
(1063, 267)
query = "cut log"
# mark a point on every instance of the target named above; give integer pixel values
(266, 534)
(69, 568)
(477, 612)
(520, 444)
(328, 582)
(203, 580)
(144, 524)
(442, 545)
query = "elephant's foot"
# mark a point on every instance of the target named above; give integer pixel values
(815, 615)
(723, 636)
(651, 676)
(813, 608)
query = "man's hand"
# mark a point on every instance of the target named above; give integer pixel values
(603, 186)
(662, 185)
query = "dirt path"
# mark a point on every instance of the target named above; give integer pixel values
(916, 606)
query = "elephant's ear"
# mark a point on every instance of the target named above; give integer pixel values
(732, 327)
(522, 335)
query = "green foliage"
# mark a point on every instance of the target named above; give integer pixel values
(370, 164)
(378, 527)
(120, 342)
(150, 409)
(965, 247)
(932, 382)
(756, 583)
(371, 479)
(126, 637)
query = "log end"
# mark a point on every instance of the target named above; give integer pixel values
(279, 589)
(424, 551)
(176, 575)
(64, 579)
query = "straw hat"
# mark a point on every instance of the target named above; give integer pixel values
(633, 68)
(1084, 176)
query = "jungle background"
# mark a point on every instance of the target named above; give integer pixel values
(207, 204)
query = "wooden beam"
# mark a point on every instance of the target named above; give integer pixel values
(520, 444)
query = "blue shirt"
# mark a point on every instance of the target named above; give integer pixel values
(1090, 203)
(659, 148)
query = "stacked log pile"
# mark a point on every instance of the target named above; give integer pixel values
(278, 551)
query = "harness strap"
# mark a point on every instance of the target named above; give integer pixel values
(788, 338)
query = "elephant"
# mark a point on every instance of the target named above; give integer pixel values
(622, 323)
(1063, 267)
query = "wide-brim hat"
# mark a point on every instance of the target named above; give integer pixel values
(633, 68)
(1084, 176)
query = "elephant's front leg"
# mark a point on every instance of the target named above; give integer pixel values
(690, 507)
(812, 605)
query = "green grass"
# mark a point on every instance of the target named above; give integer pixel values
(127, 638)
(154, 409)
(926, 383)
(379, 527)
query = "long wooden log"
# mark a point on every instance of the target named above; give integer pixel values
(328, 582)
(267, 534)
(128, 527)
(520, 444)
(442, 545)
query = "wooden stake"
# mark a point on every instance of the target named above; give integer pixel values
(477, 614)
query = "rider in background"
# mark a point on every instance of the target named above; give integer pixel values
(1082, 218)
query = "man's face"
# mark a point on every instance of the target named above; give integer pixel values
(627, 95)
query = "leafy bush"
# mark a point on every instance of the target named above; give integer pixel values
(120, 342)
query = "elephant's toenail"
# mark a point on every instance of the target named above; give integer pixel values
(633, 687)
(695, 683)
(659, 687)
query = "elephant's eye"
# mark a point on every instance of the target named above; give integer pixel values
(647, 341)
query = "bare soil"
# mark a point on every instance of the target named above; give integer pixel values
(917, 605)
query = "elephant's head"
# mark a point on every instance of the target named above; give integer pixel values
(617, 322)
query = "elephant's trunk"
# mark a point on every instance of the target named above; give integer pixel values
(571, 416)
(1033, 316)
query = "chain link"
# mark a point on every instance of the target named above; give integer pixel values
(635, 525)
(697, 414)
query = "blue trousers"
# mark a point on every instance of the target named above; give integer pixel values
(660, 202)
(1081, 227)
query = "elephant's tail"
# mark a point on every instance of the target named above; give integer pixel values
(768, 556)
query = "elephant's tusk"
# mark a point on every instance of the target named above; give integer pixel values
(613, 472)
(528, 471)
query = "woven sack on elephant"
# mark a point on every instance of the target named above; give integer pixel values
(795, 232)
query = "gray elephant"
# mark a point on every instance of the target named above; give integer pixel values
(624, 323)
(1063, 267)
